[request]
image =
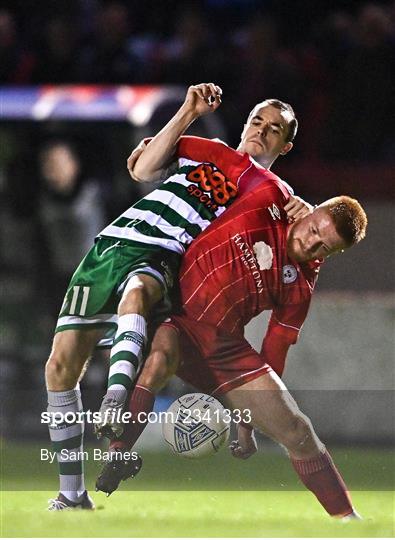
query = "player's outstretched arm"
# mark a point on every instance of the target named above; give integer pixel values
(297, 208)
(245, 446)
(154, 158)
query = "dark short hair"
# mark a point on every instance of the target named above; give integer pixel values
(283, 107)
(349, 218)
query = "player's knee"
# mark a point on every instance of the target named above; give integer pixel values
(139, 296)
(158, 369)
(299, 434)
(134, 301)
(60, 372)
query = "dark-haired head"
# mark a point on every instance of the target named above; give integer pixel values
(287, 112)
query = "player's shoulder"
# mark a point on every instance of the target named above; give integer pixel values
(267, 198)
(212, 147)
(272, 186)
(280, 184)
(220, 141)
(191, 141)
(229, 161)
(257, 174)
(195, 139)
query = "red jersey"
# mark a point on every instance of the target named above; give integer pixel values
(239, 267)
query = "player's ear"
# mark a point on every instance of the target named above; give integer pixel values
(286, 148)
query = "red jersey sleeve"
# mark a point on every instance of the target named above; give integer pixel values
(286, 321)
(231, 162)
(274, 352)
(236, 166)
(282, 332)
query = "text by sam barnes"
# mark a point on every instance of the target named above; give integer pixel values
(96, 454)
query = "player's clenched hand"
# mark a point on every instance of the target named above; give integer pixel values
(134, 157)
(297, 208)
(245, 446)
(203, 98)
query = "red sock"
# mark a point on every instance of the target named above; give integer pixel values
(321, 477)
(141, 401)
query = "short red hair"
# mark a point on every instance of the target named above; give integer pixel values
(349, 218)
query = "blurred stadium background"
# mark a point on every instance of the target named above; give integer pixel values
(90, 78)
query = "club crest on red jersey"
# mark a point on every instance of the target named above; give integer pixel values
(289, 273)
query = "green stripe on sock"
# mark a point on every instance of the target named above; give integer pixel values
(127, 357)
(68, 444)
(120, 378)
(71, 468)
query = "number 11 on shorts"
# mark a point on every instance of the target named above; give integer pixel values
(75, 300)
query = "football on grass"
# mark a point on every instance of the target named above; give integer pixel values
(196, 426)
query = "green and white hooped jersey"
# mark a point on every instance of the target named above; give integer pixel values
(175, 213)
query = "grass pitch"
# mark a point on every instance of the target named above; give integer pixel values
(217, 497)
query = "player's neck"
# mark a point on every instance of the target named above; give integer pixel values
(262, 162)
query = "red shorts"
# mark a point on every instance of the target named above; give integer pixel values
(214, 363)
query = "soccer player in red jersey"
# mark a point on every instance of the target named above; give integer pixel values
(250, 260)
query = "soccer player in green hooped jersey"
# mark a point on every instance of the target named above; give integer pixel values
(126, 278)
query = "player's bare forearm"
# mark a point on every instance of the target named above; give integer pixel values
(154, 158)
